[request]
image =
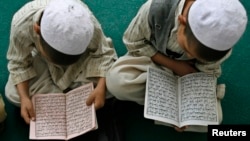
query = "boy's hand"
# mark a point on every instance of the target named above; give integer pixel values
(97, 97)
(27, 111)
(180, 129)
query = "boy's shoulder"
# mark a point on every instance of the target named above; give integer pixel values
(29, 9)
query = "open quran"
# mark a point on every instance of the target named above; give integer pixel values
(181, 101)
(63, 116)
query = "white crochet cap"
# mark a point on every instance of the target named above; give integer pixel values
(66, 26)
(217, 24)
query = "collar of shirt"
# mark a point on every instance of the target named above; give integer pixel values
(172, 43)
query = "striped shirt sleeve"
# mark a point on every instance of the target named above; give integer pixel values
(137, 35)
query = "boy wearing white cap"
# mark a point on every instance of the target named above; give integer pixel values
(55, 46)
(183, 36)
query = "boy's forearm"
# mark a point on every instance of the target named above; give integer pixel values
(101, 84)
(165, 61)
(23, 89)
(178, 67)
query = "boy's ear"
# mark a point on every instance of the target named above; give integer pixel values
(37, 28)
(182, 20)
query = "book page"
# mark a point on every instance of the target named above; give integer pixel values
(161, 96)
(50, 117)
(80, 117)
(198, 99)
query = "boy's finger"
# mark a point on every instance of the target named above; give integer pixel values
(99, 103)
(90, 100)
(26, 117)
(32, 114)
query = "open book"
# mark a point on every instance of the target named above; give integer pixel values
(63, 116)
(181, 101)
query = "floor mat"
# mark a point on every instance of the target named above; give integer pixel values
(114, 16)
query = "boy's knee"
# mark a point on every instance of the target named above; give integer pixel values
(113, 83)
(2, 110)
(124, 90)
(11, 94)
(13, 99)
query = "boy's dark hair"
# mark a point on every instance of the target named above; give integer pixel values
(204, 52)
(56, 56)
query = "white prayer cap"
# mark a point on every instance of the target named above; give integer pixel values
(66, 26)
(217, 24)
